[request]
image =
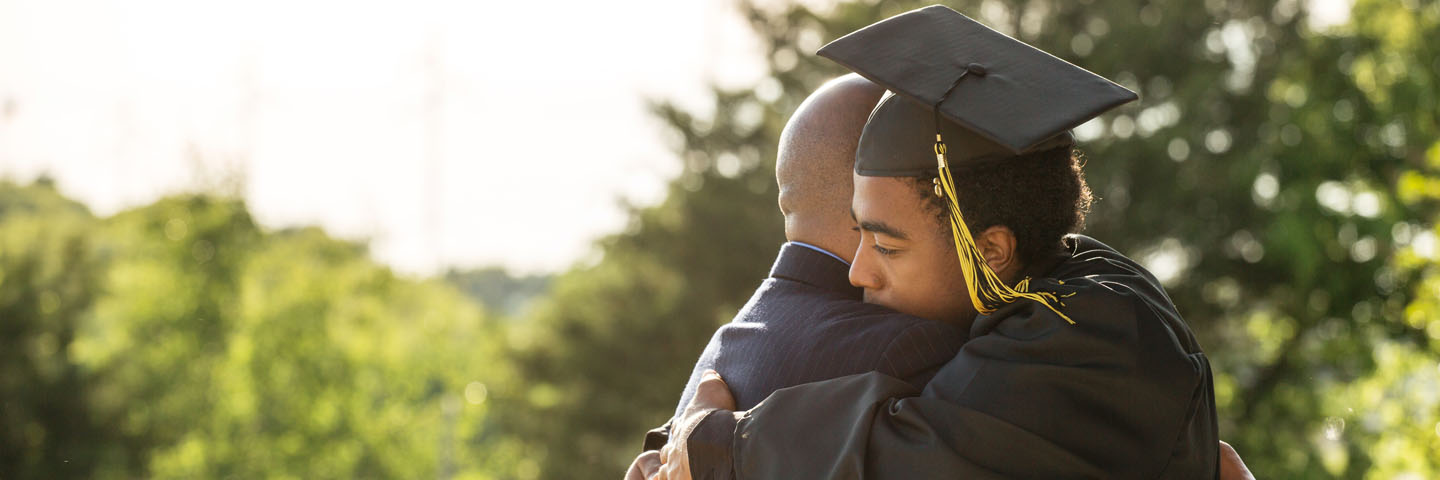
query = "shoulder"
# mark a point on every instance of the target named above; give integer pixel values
(1098, 271)
(820, 318)
(1118, 325)
(1112, 313)
(917, 335)
(1099, 321)
(908, 346)
(1104, 296)
(778, 299)
(834, 322)
(920, 349)
(877, 321)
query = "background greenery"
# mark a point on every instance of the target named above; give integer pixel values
(1286, 180)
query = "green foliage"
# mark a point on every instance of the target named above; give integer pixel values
(177, 340)
(48, 281)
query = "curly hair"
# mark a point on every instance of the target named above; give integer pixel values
(1041, 196)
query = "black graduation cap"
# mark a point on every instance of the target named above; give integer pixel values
(999, 97)
(987, 95)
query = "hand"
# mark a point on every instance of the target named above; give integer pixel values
(1231, 467)
(712, 395)
(644, 466)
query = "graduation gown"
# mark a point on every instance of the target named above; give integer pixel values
(1125, 392)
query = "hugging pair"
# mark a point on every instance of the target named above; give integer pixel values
(933, 315)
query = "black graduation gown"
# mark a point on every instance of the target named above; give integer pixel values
(1125, 392)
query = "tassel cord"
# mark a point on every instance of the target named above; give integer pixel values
(987, 291)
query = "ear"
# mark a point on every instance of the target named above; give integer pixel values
(997, 245)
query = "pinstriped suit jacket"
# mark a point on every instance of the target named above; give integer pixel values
(806, 323)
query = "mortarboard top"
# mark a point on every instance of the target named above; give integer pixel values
(999, 96)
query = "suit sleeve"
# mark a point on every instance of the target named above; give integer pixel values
(1033, 399)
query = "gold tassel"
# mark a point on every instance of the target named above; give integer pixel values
(987, 291)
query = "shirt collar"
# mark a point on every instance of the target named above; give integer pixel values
(821, 250)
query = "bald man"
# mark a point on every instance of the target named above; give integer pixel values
(806, 322)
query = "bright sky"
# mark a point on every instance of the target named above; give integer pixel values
(447, 133)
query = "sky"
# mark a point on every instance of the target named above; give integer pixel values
(443, 133)
(446, 134)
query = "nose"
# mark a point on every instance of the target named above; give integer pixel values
(863, 271)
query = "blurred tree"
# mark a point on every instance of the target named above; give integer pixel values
(177, 340)
(1255, 177)
(1391, 65)
(338, 369)
(497, 289)
(166, 318)
(48, 280)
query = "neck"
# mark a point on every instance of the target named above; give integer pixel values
(841, 243)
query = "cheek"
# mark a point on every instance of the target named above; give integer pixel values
(946, 282)
(921, 283)
(951, 273)
(947, 262)
(941, 290)
(959, 304)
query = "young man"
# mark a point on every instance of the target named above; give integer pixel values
(1078, 365)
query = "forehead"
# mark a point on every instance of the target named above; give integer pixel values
(893, 200)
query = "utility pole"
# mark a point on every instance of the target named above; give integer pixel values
(434, 162)
(248, 119)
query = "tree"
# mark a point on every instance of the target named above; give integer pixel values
(48, 280)
(179, 340)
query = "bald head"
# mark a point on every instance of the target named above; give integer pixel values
(815, 161)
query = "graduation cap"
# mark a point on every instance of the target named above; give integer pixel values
(985, 95)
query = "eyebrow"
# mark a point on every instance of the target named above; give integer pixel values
(879, 227)
(884, 229)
